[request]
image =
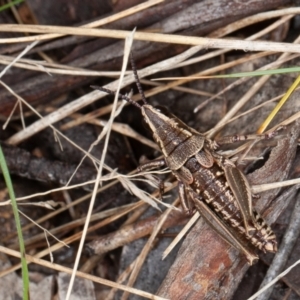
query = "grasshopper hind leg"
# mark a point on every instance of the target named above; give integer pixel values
(190, 202)
(225, 231)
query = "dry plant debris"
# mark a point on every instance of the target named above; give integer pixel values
(54, 128)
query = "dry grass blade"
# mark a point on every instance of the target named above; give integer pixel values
(255, 19)
(145, 36)
(52, 68)
(268, 186)
(17, 58)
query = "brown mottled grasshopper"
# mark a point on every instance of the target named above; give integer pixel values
(207, 181)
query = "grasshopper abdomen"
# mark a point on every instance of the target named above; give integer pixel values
(210, 185)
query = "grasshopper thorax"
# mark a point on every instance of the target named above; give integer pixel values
(177, 141)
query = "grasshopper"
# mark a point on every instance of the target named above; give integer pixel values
(207, 181)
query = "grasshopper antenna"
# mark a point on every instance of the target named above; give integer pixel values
(137, 79)
(120, 96)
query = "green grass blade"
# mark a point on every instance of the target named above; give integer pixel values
(18, 224)
(258, 73)
(10, 4)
